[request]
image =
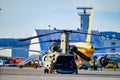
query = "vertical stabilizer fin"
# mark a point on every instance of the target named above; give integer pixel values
(88, 39)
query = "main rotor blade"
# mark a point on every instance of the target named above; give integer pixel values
(38, 43)
(81, 32)
(3, 48)
(65, 31)
(29, 38)
(82, 55)
(102, 48)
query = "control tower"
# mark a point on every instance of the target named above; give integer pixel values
(84, 13)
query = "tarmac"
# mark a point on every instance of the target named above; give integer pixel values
(14, 73)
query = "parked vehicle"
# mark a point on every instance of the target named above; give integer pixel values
(112, 64)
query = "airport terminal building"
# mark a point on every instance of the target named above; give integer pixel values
(97, 41)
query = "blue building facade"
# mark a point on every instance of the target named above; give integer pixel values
(111, 39)
(16, 53)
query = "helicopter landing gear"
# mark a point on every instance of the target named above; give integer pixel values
(46, 70)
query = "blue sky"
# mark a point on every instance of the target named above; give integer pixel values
(19, 18)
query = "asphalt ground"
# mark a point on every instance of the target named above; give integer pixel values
(14, 73)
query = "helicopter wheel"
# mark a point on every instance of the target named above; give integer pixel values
(21, 66)
(76, 71)
(46, 70)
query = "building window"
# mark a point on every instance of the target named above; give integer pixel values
(113, 43)
(103, 38)
(113, 50)
(113, 37)
(107, 37)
